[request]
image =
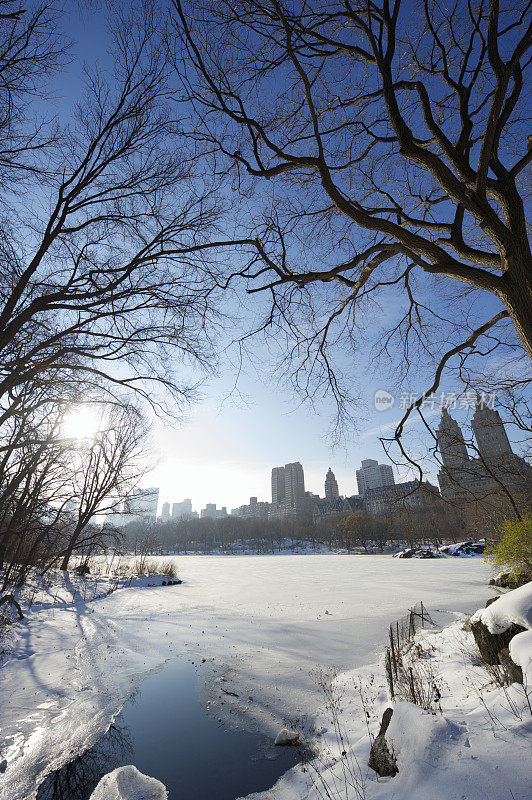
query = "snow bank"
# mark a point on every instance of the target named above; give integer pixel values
(127, 783)
(513, 607)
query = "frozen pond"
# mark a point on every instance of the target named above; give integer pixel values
(164, 731)
(258, 626)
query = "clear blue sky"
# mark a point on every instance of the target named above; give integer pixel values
(225, 449)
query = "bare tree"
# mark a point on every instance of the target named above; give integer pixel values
(105, 469)
(103, 259)
(394, 139)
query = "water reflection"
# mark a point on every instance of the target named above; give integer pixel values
(78, 779)
(166, 733)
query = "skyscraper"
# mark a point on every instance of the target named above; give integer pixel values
(182, 510)
(331, 486)
(451, 443)
(278, 493)
(493, 444)
(288, 490)
(294, 483)
(373, 475)
(461, 476)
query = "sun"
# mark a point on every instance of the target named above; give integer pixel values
(81, 423)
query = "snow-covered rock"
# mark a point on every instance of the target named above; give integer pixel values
(418, 552)
(512, 608)
(287, 737)
(463, 549)
(127, 783)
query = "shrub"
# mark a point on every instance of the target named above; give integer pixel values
(512, 551)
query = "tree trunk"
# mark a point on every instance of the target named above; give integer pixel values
(67, 556)
(518, 300)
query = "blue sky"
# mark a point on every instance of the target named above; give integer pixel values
(224, 450)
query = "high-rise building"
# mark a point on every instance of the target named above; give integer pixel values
(277, 486)
(493, 444)
(211, 512)
(331, 486)
(165, 512)
(373, 475)
(451, 442)
(497, 466)
(182, 510)
(288, 490)
(294, 483)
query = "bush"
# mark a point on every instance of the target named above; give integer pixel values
(512, 551)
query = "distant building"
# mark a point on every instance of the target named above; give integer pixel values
(182, 510)
(141, 506)
(165, 512)
(277, 486)
(211, 512)
(496, 465)
(255, 510)
(373, 475)
(331, 486)
(288, 491)
(411, 494)
(323, 507)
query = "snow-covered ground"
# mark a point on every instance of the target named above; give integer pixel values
(264, 622)
(475, 743)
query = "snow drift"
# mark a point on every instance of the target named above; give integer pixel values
(127, 783)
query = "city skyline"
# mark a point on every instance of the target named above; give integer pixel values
(213, 474)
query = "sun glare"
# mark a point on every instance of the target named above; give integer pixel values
(82, 423)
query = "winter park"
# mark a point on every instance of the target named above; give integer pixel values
(265, 410)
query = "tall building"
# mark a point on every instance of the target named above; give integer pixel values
(461, 476)
(277, 486)
(288, 490)
(211, 512)
(141, 505)
(451, 442)
(493, 444)
(294, 483)
(165, 512)
(373, 475)
(331, 486)
(182, 510)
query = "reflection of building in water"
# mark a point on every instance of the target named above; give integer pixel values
(496, 465)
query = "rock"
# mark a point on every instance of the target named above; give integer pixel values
(381, 758)
(502, 579)
(3, 765)
(82, 569)
(512, 670)
(404, 554)
(492, 600)
(287, 738)
(491, 644)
